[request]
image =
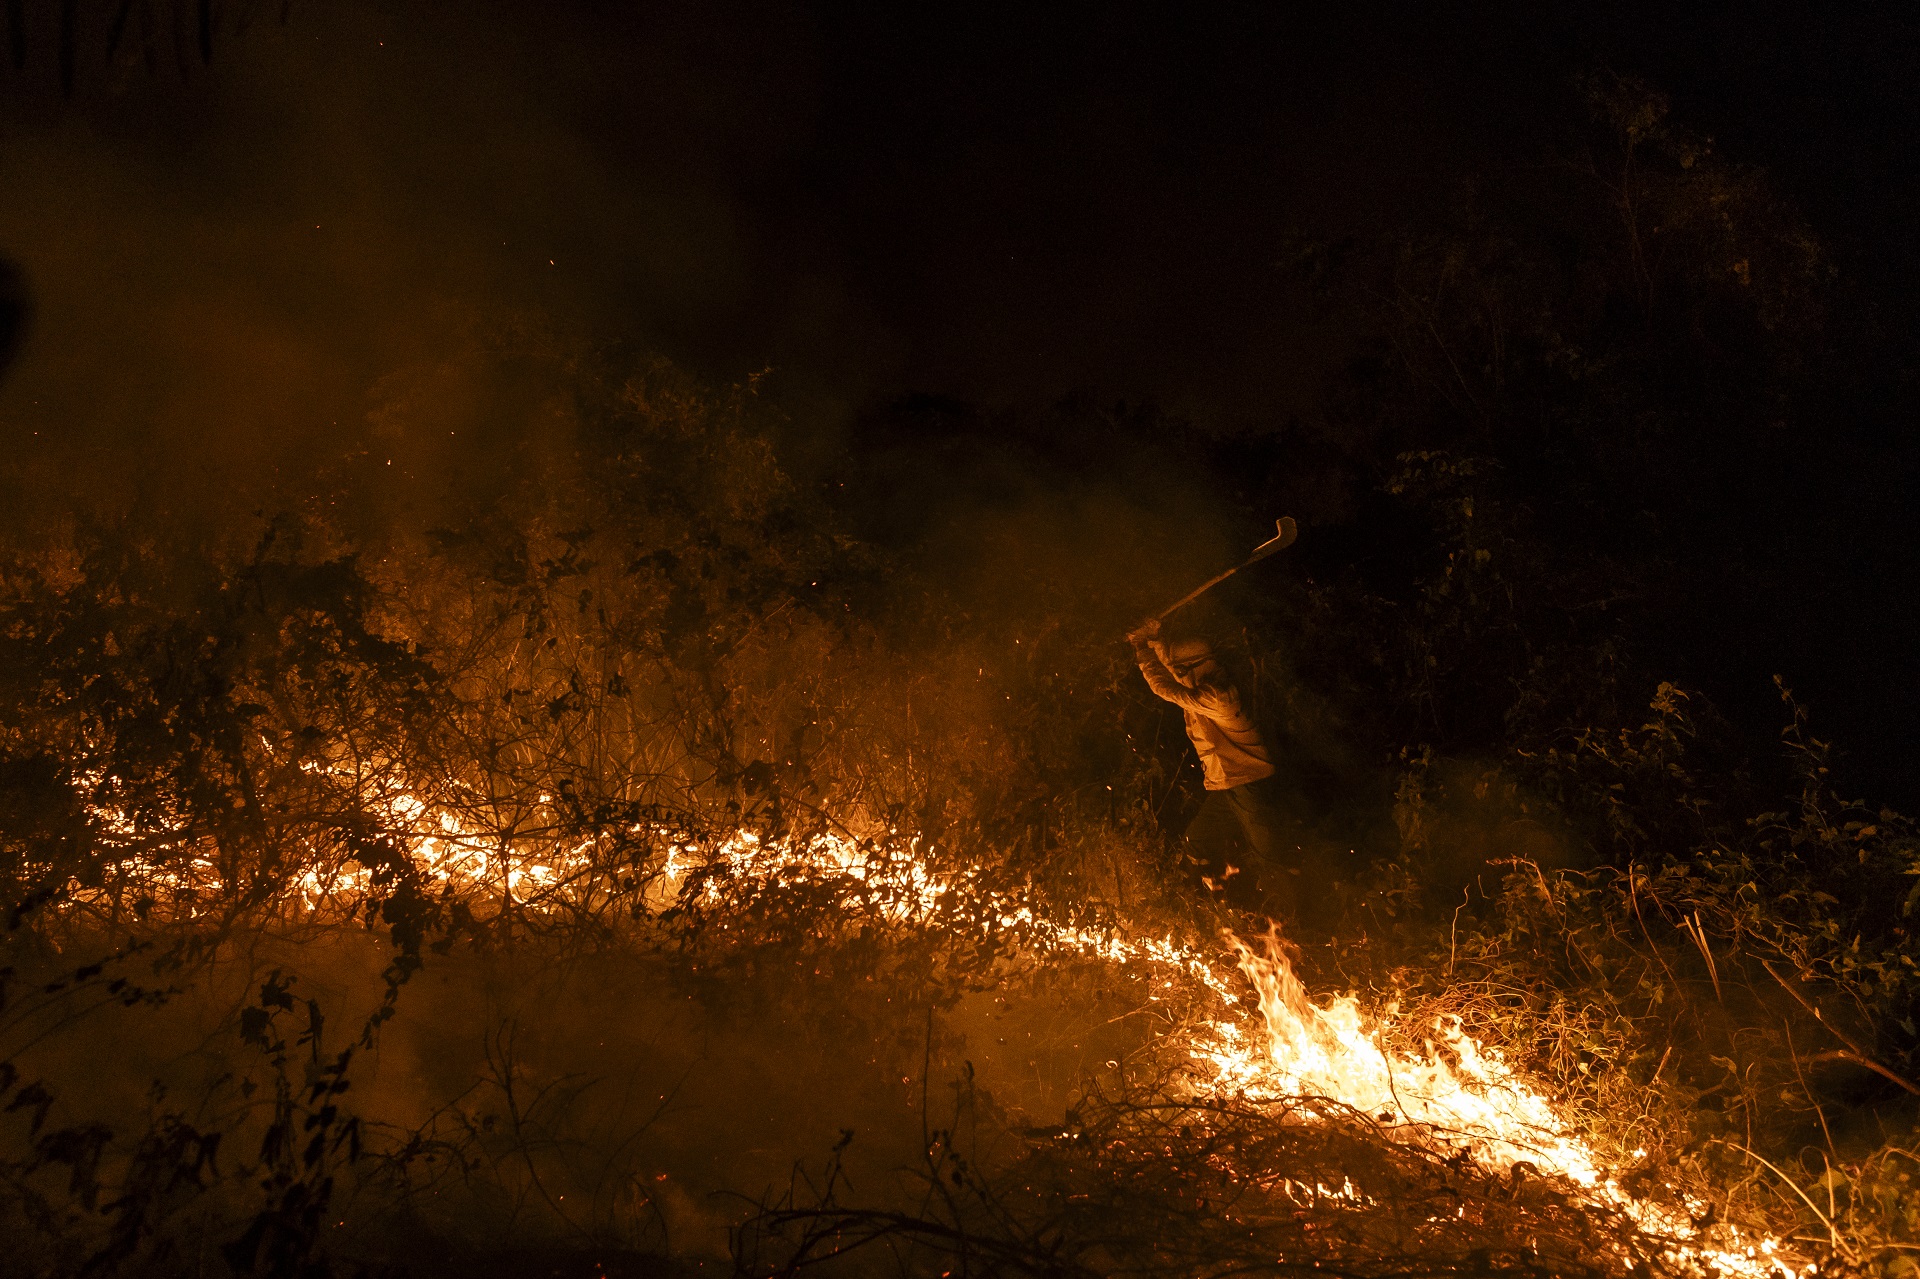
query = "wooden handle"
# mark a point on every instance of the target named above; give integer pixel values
(1284, 533)
(1197, 592)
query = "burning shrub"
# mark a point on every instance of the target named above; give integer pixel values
(655, 716)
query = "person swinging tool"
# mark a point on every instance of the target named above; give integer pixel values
(1237, 772)
(1237, 769)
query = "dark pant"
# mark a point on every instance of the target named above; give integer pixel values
(1248, 848)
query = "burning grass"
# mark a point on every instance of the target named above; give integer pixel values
(560, 883)
(1248, 1127)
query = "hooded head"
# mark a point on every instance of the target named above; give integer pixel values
(1192, 661)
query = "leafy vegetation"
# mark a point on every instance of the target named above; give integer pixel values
(367, 866)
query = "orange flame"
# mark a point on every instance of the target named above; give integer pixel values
(1459, 1095)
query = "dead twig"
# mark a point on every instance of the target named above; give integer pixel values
(1805, 1087)
(1855, 1053)
(1698, 933)
(1833, 1232)
(1453, 934)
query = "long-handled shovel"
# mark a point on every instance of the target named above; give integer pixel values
(1284, 531)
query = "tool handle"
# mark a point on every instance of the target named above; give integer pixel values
(1284, 532)
(1197, 592)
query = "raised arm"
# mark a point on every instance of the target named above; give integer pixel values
(1160, 679)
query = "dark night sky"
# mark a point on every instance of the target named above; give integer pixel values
(997, 205)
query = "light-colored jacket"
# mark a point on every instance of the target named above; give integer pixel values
(1231, 751)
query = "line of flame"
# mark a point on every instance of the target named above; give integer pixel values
(1460, 1094)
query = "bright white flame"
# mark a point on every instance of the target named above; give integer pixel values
(1458, 1095)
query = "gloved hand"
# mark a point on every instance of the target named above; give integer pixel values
(1147, 630)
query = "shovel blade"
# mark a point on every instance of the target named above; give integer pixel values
(1284, 531)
